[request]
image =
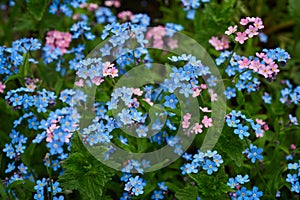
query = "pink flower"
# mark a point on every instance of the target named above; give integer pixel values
(265, 71)
(203, 86)
(173, 44)
(221, 44)
(231, 29)
(185, 124)
(213, 96)
(92, 6)
(197, 128)
(115, 3)
(258, 23)
(187, 117)
(196, 92)
(79, 83)
(113, 72)
(205, 109)
(2, 87)
(125, 15)
(97, 80)
(148, 101)
(255, 65)
(244, 63)
(241, 37)
(293, 147)
(244, 21)
(261, 55)
(137, 91)
(251, 31)
(206, 121)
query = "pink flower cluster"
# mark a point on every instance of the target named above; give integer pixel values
(219, 44)
(157, 34)
(264, 125)
(59, 39)
(197, 128)
(252, 24)
(115, 3)
(264, 65)
(125, 15)
(89, 6)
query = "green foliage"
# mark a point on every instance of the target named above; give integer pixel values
(37, 8)
(187, 193)
(211, 187)
(84, 173)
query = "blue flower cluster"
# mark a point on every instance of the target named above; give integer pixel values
(65, 6)
(185, 78)
(134, 165)
(209, 161)
(135, 186)
(290, 95)
(11, 58)
(82, 28)
(235, 120)
(43, 184)
(104, 15)
(241, 191)
(26, 98)
(190, 6)
(159, 194)
(293, 178)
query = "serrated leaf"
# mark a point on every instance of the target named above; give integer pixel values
(37, 8)
(187, 193)
(212, 186)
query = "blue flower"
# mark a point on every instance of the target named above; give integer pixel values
(157, 194)
(232, 122)
(210, 167)
(230, 92)
(254, 153)
(171, 101)
(242, 131)
(295, 187)
(267, 98)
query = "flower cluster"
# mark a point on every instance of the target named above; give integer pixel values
(241, 192)
(191, 5)
(235, 119)
(27, 98)
(290, 95)
(159, 194)
(135, 186)
(59, 39)
(252, 24)
(219, 44)
(11, 58)
(293, 178)
(209, 161)
(42, 185)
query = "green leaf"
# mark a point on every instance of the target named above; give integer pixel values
(13, 77)
(24, 69)
(58, 85)
(187, 193)
(294, 9)
(37, 8)
(84, 173)
(233, 152)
